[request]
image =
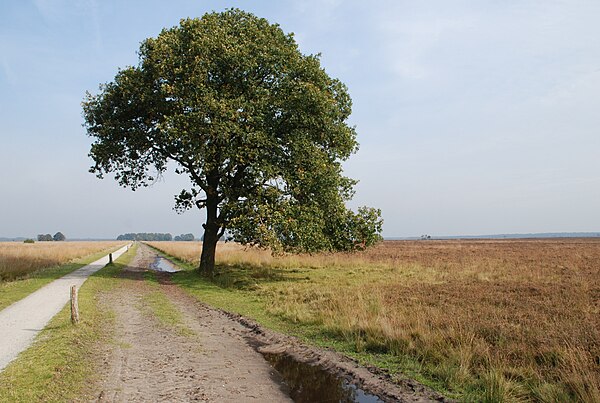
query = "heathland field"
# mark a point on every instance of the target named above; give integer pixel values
(19, 259)
(486, 320)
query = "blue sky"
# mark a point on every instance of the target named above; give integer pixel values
(473, 117)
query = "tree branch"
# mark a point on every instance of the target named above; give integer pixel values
(186, 164)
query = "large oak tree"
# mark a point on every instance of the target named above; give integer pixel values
(259, 128)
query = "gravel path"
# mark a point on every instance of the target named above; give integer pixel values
(23, 320)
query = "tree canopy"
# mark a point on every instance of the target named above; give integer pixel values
(259, 128)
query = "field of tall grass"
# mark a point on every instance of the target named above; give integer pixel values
(481, 320)
(18, 260)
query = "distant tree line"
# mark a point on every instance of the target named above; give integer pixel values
(59, 236)
(154, 236)
(145, 236)
(184, 237)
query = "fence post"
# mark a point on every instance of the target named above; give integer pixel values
(110, 258)
(74, 305)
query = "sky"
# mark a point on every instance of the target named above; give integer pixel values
(474, 117)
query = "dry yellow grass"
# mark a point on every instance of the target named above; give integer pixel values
(19, 259)
(509, 319)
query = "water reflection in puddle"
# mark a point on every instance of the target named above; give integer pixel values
(310, 383)
(162, 264)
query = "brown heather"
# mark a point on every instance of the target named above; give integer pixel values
(17, 260)
(492, 320)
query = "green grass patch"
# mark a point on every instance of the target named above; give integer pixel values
(57, 367)
(157, 304)
(245, 291)
(13, 291)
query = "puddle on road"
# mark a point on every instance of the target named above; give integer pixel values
(308, 383)
(162, 264)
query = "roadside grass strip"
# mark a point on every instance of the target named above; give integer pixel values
(60, 365)
(15, 290)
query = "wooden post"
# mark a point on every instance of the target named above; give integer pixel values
(74, 305)
(110, 258)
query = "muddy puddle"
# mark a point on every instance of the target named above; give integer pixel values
(162, 264)
(308, 383)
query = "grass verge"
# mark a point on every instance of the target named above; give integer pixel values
(13, 291)
(250, 305)
(157, 304)
(57, 367)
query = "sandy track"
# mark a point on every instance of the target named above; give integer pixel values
(23, 320)
(150, 362)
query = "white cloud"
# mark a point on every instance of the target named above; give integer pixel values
(407, 43)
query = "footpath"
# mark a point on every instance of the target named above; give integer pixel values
(22, 321)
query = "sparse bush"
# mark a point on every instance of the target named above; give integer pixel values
(29, 240)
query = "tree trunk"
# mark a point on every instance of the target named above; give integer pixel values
(211, 236)
(209, 247)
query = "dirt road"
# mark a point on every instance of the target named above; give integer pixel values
(203, 359)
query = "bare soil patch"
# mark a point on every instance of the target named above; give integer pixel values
(150, 362)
